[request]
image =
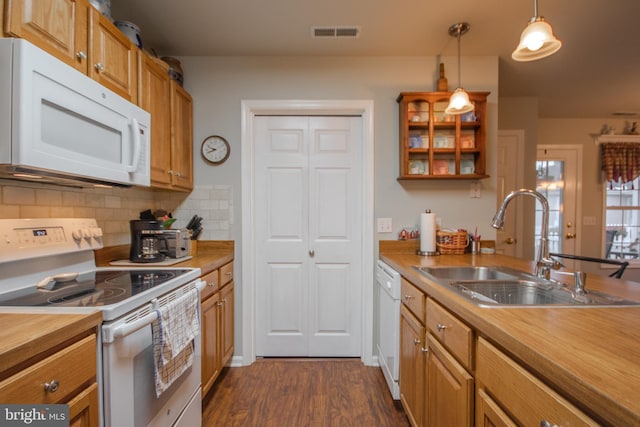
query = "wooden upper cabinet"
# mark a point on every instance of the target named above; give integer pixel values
(434, 145)
(56, 26)
(112, 57)
(181, 137)
(154, 96)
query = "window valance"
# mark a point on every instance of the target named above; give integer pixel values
(620, 161)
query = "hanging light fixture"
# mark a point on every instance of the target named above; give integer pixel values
(459, 102)
(537, 40)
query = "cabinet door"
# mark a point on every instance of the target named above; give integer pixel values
(210, 353)
(112, 57)
(226, 325)
(411, 366)
(181, 137)
(489, 413)
(57, 26)
(83, 409)
(449, 389)
(154, 95)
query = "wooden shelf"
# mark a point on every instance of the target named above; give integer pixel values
(435, 146)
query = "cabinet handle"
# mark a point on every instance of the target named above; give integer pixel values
(416, 341)
(99, 66)
(408, 297)
(81, 55)
(440, 327)
(52, 386)
(545, 423)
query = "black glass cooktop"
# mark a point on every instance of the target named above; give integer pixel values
(96, 288)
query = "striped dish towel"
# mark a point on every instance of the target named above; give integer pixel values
(173, 333)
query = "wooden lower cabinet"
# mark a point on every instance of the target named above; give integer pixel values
(72, 369)
(412, 365)
(507, 394)
(449, 389)
(217, 326)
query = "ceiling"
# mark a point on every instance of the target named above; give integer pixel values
(594, 75)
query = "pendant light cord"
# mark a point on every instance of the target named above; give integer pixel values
(459, 79)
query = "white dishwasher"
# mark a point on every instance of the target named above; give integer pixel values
(389, 325)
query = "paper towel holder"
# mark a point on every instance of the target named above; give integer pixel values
(429, 253)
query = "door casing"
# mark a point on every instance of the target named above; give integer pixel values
(251, 108)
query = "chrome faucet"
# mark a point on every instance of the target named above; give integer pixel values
(543, 262)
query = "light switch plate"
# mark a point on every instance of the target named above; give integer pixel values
(474, 190)
(385, 225)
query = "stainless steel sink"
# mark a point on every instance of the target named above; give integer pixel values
(504, 287)
(470, 273)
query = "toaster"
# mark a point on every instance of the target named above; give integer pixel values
(178, 242)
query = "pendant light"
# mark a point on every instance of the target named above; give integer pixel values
(537, 40)
(459, 102)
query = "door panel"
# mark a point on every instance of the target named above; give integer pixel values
(307, 212)
(510, 159)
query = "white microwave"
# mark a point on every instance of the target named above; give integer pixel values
(58, 125)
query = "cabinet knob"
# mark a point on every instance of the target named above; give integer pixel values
(545, 423)
(424, 350)
(212, 284)
(99, 66)
(81, 55)
(228, 273)
(408, 297)
(178, 174)
(416, 341)
(219, 304)
(510, 241)
(51, 387)
(441, 327)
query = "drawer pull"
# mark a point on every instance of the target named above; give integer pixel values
(408, 297)
(416, 341)
(441, 327)
(51, 387)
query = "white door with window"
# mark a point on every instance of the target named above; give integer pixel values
(308, 239)
(559, 174)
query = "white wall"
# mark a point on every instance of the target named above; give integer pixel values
(219, 84)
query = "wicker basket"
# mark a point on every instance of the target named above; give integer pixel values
(452, 242)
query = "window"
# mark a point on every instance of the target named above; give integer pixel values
(622, 220)
(550, 183)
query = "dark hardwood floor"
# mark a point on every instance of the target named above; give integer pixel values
(302, 392)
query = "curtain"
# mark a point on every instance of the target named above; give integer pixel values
(621, 161)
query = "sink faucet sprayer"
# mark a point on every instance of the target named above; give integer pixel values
(543, 262)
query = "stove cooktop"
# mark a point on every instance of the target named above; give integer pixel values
(93, 289)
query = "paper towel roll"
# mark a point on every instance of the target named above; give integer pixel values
(428, 232)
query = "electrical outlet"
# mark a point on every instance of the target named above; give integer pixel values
(385, 225)
(474, 190)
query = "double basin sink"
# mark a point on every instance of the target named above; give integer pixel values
(505, 287)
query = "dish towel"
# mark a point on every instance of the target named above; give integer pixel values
(173, 333)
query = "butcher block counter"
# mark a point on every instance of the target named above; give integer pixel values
(207, 255)
(591, 356)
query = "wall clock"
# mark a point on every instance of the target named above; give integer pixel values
(215, 149)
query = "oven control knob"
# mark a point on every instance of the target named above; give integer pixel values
(96, 232)
(77, 234)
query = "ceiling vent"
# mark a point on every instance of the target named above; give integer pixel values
(335, 32)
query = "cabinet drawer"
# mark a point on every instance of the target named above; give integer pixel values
(524, 397)
(72, 367)
(226, 273)
(414, 299)
(451, 332)
(213, 284)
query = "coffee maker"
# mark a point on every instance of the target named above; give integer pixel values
(148, 242)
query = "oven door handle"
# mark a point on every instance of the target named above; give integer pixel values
(112, 332)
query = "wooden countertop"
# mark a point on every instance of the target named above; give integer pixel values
(26, 333)
(208, 255)
(590, 355)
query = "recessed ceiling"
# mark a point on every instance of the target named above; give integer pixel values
(594, 74)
